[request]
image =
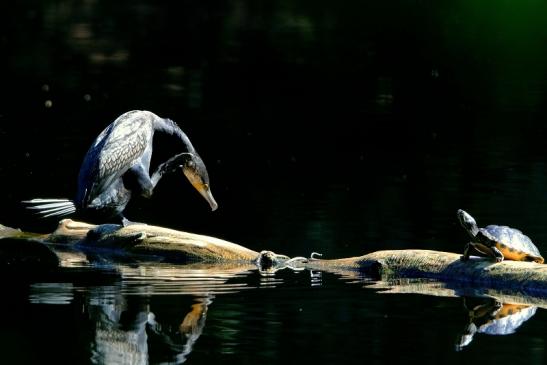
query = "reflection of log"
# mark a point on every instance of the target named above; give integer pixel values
(526, 277)
(24, 251)
(27, 255)
(442, 289)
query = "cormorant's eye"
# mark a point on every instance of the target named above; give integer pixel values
(191, 164)
(206, 186)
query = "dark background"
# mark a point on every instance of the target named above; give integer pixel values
(339, 127)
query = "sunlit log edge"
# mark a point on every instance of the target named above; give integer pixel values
(519, 277)
(148, 239)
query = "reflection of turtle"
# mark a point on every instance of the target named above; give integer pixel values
(498, 241)
(493, 318)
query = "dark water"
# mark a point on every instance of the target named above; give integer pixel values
(338, 128)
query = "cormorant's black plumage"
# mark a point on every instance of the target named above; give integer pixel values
(124, 149)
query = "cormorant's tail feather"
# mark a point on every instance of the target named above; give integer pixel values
(51, 207)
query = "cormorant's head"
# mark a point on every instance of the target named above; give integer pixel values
(195, 171)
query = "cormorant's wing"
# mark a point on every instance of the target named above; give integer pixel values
(115, 150)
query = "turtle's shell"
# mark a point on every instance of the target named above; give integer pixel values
(513, 244)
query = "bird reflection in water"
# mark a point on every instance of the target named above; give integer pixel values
(192, 325)
(127, 332)
(493, 318)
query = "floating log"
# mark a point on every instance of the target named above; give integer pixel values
(151, 241)
(177, 246)
(525, 277)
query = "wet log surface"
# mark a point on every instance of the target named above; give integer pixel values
(525, 277)
(177, 246)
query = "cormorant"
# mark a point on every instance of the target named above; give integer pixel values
(118, 163)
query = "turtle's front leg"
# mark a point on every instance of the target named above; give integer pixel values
(497, 254)
(466, 250)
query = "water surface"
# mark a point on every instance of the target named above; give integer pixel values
(156, 313)
(336, 128)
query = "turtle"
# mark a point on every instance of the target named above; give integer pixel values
(499, 242)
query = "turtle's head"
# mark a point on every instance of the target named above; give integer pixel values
(195, 171)
(468, 222)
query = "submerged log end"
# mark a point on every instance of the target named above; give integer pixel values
(26, 255)
(8, 231)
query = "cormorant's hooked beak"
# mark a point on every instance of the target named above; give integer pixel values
(200, 186)
(206, 193)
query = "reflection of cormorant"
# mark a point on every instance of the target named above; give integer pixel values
(118, 162)
(192, 325)
(493, 318)
(127, 333)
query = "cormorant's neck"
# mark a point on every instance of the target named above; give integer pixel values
(168, 126)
